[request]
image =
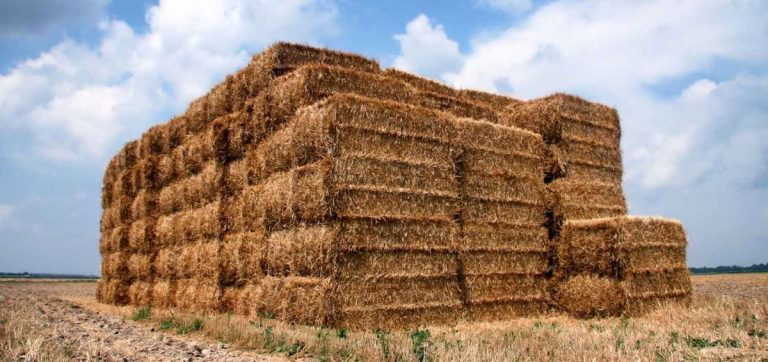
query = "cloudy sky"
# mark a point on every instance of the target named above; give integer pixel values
(79, 78)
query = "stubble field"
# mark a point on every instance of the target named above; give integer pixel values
(728, 320)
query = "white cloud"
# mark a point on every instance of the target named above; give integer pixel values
(5, 211)
(78, 101)
(509, 6)
(426, 49)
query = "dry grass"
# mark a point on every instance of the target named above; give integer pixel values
(728, 319)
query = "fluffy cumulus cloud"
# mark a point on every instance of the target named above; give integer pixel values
(33, 17)
(426, 49)
(690, 83)
(77, 101)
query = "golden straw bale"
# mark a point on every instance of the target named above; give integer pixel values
(238, 175)
(497, 288)
(140, 293)
(394, 173)
(115, 266)
(399, 292)
(499, 212)
(400, 317)
(386, 145)
(248, 300)
(141, 236)
(144, 205)
(500, 311)
(381, 203)
(176, 130)
(197, 115)
(167, 262)
(124, 184)
(190, 192)
(504, 188)
(299, 194)
(233, 134)
(152, 142)
(371, 265)
(590, 296)
(197, 294)
(393, 234)
(112, 240)
(114, 291)
(196, 151)
(199, 259)
(503, 163)
(240, 258)
(304, 250)
(220, 100)
(561, 115)
(588, 152)
(145, 175)
(312, 83)
(301, 300)
(140, 266)
(163, 293)
(245, 211)
(420, 83)
(167, 170)
(504, 237)
(490, 262)
(230, 297)
(190, 225)
(453, 105)
(586, 200)
(495, 101)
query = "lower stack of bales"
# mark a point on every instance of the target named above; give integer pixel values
(622, 265)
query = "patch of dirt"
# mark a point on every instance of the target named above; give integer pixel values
(84, 334)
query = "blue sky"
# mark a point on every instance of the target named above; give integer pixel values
(79, 78)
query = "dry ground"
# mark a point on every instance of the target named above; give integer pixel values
(728, 320)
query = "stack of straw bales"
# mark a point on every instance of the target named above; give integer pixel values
(317, 188)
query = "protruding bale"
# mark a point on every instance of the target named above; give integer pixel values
(571, 200)
(591, 296)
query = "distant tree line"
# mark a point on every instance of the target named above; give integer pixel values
(46, 276)
(754, 268)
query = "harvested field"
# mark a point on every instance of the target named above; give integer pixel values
(727, 320)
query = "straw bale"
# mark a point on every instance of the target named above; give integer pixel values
(168, 168)
(140, 266)
(372, 143)
(498, 212)
(399, 292)
(144, 205)
(400, 318)
(190, 225)
(140, 293)
(562, 115)
(230, 298)
(503, 163)
(248, 300)
(665, 284)
(591, 296)
(114, 291)
(163, 294)
(304, 250)
(238, 175)
(116, 215)
(199, 259)
(240, 258)
(152, 142)
(495, 311)
(232, 134)
(422, 84)
(220, 100)
(167, 263)
(504, 188)
(190, 192)
(394, 173)
(504, 237)
(456, 106)
(176, 130)
(145, 175)
(244, 212)
(130, 154)
(124, 184)
(371, 265)
(621, 246)
(312, 83)
(302, 300)
(393, 234)
(197, 115)
(299, 194)
(115, 266)
(197, 294)
(589, 152)
(107, 194)
(495, 101)
(141, 236)
(498, 288)
(586, 200)
(112, 240)
(492, 262)
(586, 172)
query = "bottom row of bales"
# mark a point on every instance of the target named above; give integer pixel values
(606, 267)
